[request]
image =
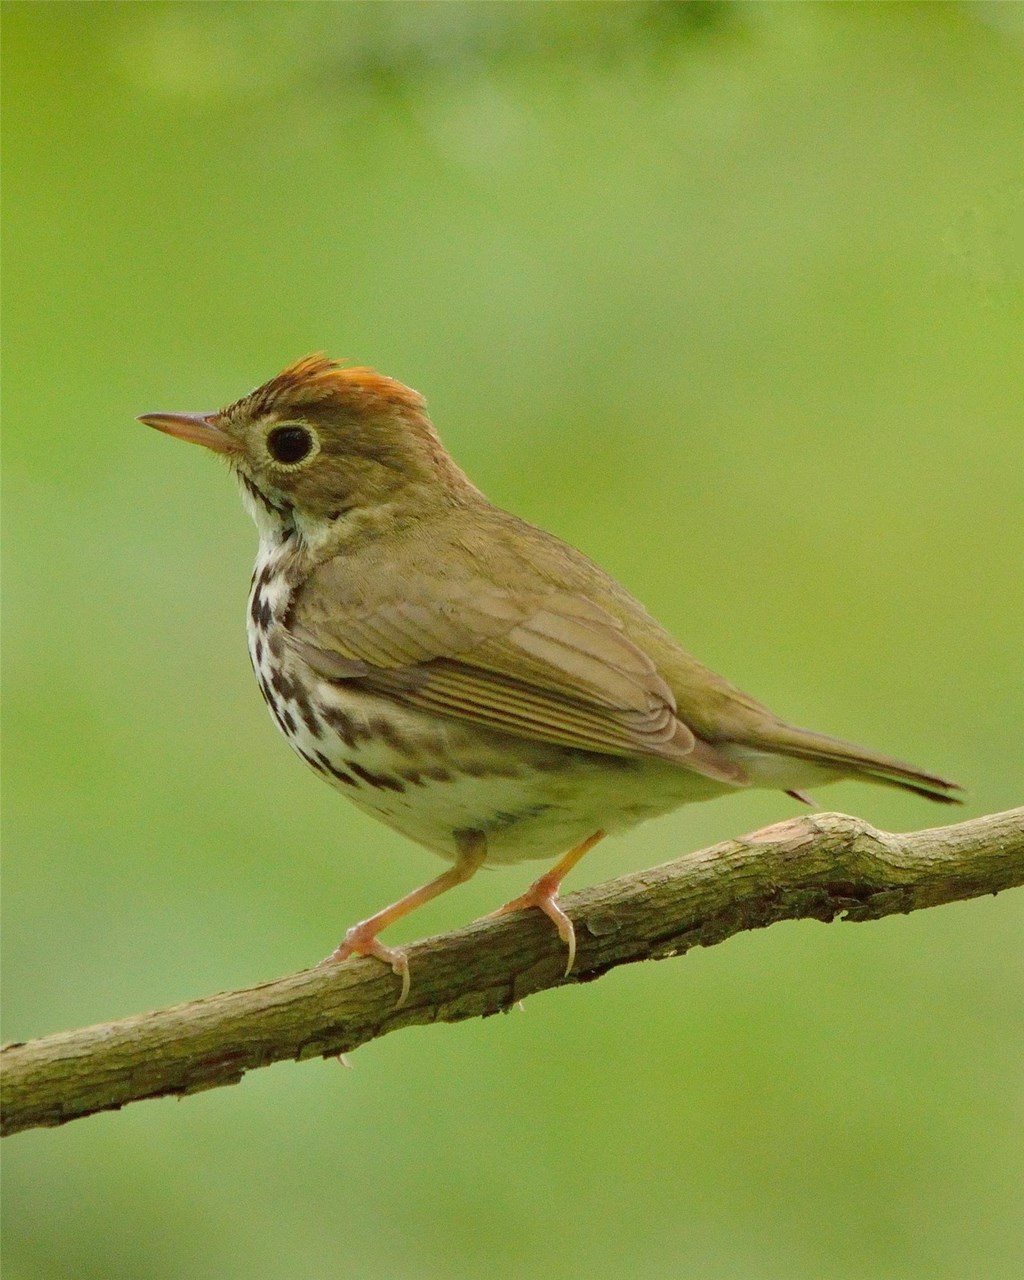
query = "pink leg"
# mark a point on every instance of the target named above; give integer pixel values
(361, 939)
(543, 893)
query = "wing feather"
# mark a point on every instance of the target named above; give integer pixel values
(550, 666)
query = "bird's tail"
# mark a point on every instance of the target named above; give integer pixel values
(857, 762)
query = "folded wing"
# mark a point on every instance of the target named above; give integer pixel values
(551, 666)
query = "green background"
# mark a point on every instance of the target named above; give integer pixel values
(731, 296)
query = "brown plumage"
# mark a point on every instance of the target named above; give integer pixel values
(464, 676)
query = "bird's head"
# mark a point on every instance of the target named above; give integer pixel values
(321, 441)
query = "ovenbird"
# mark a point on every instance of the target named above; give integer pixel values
(461, 675)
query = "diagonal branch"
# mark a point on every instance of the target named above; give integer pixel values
(818, 867)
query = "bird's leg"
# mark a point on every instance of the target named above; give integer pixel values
(361, 939)
(543, 893)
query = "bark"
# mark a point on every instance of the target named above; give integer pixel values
(818, 867)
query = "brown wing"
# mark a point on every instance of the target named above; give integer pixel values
(549, 666)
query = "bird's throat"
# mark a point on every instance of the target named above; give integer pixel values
(274, 520)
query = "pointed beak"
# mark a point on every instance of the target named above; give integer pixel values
(196, 428)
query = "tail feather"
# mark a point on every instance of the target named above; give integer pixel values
(857, 762)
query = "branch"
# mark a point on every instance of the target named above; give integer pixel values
(815, 867)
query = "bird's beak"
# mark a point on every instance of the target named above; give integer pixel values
(196, 428)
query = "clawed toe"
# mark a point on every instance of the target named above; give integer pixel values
(543, 893)
(361, 942)
(361, 939)
(545, 898)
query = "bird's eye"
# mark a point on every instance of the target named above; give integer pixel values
(289, 444)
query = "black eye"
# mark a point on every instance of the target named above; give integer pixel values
(289, 444)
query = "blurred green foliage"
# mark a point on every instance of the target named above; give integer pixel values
(731, 296)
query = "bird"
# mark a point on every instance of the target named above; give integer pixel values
(463, 676)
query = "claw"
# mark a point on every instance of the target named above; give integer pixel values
(544, 896)
(543, 893)
(360, 941)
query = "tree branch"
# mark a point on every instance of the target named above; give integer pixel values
(814, 867)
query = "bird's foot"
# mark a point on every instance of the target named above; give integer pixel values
(362, 940)
(543, 893)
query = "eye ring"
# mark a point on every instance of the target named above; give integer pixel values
(290, 444)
